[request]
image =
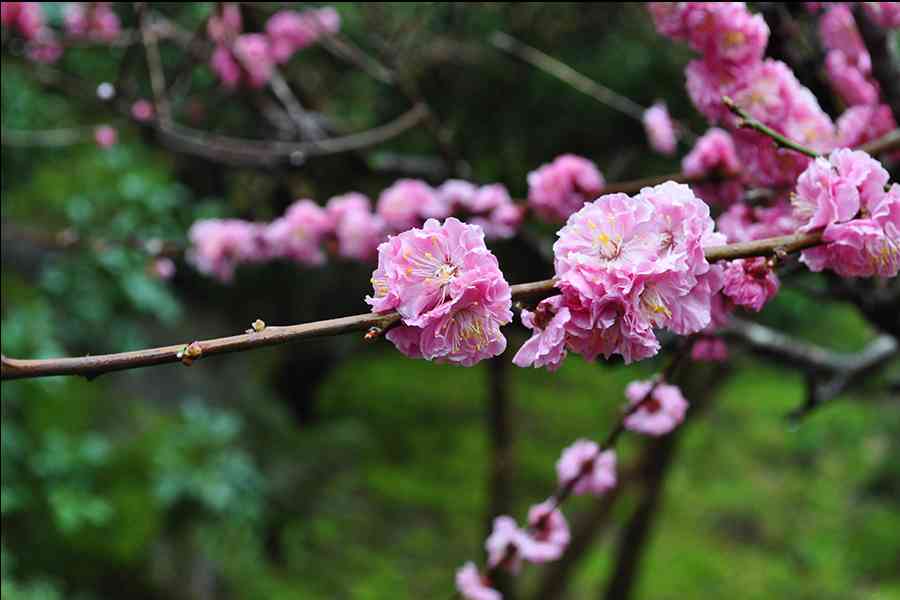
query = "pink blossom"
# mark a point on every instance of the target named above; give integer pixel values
(864, 123)
(142, 110)
(833, 190)
(588, 470)
(750, 282)
(549, 533)
(163, 268)
(457, 194)
(106, 136)
(660, 130)
(224, 65)
(357, 229)
(768, 92)
(657, 414)
(669, 18)
(706, 84)
(94, 21)
(409, 202)
(504, 545)
(290, 31)
(709, 349)
(560, 188)
(714, 156)
(547, 346)
(865, 247)
(849, 80)
(298, 235)
(449, 290)
(252, 53)
(765, 164)
(44, 48)
(225, 25)
(218, 246)
(838, 31)
(883, 14)
(472, 585)
(726, 33)
(743, 223)
(628, 265)
(26, 17)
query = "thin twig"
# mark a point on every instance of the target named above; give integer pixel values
(745, 121)
(582, 83)
(154, 64)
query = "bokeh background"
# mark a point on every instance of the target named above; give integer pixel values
(338, 469)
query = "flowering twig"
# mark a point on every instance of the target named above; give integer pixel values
(91, 366)
(747, 122)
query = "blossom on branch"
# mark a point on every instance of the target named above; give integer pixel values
(448, 289)
(658, 408)
(548, 532)
(588, 470)
(660, 130)
(558, 189)
(750, 282)
(472, 585)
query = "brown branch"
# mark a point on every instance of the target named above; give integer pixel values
(829, 373)
(580, 82)
(154, 63)
(91, 366)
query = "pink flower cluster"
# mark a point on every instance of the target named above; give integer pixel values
(583, 468)
(660, 129)
(249, 59)
(409, 202)
(106, 136)
(714, 156)
(94, 21)
(625, 266)
(654, 408)
(883, 14)
(847, 61)
(448, 289)
(731, 42)
(300, 235)
(27, 18)
(845, 197)
(558, 189)
(750, 282)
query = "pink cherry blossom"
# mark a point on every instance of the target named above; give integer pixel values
(837, 29)
(628, 265)
(726, 33)
(44, 48)
(865, 247)
(833, 190)
(224, 65)
(714, 155)
(558, 189)
(357, 229)
(142, 110)
(299, 233)
(252, 53)
(106, 136)
(163, 268)
(504, 545)
(660, 130)
(94, 20)
(750, 282)
(290, 31)
(549, 533)
(218, 246)
(883, 14)
(849, 80)
(547, 346)
(743, 223)
(472, 585)
(26, 17)
(449, 290)
(583, 466)
(864, 123)
(709, 349)
(226, 24)
(408, 202)
(657, 415)
(457, 194)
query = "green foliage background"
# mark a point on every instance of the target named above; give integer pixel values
(331, 469)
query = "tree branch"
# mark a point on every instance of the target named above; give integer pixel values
(829, 373)
(92, 366)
